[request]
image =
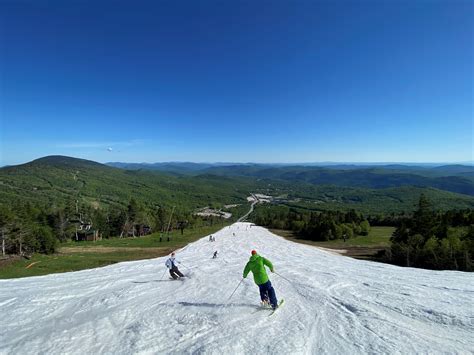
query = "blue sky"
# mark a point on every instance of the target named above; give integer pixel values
(241, 81)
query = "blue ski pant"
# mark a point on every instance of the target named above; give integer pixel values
(267, 292)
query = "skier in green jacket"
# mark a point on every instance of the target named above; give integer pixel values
(256, 264)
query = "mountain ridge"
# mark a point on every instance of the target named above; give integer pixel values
(57, 179)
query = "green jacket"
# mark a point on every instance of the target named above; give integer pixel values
(257, 264)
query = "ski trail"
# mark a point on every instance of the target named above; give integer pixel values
(333, 305)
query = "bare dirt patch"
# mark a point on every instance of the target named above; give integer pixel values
(4, 261)
(333, 251)
(358, 252)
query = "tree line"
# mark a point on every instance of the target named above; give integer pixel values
(26, 228)
(317, 226)
(441, 240)
(434, 240)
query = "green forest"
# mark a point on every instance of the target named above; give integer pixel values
(434, 240)
(426, 238)
(45, 202)
(317, 226)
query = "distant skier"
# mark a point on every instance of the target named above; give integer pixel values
(215, 255)
(256, 264)
(210, 238)
(171, 265)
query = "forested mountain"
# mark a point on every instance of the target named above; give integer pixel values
(58, 180)
(170, 167)
(40, 201)
(454, 178)
(49, 199)
(443, 178)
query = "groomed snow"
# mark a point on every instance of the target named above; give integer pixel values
(334, 305)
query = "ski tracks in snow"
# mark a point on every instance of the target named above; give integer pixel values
(333, 304)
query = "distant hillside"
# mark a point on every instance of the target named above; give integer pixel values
(61, 161)
(183, 168)
(171, 167)
(374, 178)
(58, 180)
(422, 169)
(454, 169)
(453, 178)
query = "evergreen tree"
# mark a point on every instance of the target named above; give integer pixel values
(401, 233)
(45, 240)
(424, 218)
(6, 221)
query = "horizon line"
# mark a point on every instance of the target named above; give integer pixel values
(327, 162)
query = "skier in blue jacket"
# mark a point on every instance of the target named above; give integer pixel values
(171, 265)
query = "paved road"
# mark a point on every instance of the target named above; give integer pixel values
(244, 217)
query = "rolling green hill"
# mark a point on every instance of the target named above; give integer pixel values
(58, 180)
(372, 178)
(453, 178)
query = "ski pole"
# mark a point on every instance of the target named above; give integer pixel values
(283, 277)
(235, 289)
(161, 278)
(189, 268)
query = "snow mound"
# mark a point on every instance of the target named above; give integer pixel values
(333, 304)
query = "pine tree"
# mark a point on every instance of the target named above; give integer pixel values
(424, 219)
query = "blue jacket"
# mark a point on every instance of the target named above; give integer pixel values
(171, 262)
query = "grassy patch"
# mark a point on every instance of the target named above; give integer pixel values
(87, 255)
(362, 247)
(378, 237)
(150, 241)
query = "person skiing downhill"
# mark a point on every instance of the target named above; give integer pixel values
(171, 265)
(257, 264)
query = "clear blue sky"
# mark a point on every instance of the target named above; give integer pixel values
(271, 81)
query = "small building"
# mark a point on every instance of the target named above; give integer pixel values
(137, 230)
(84, 231)
(90, 235)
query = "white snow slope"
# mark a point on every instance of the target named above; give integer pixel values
(333, 305)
